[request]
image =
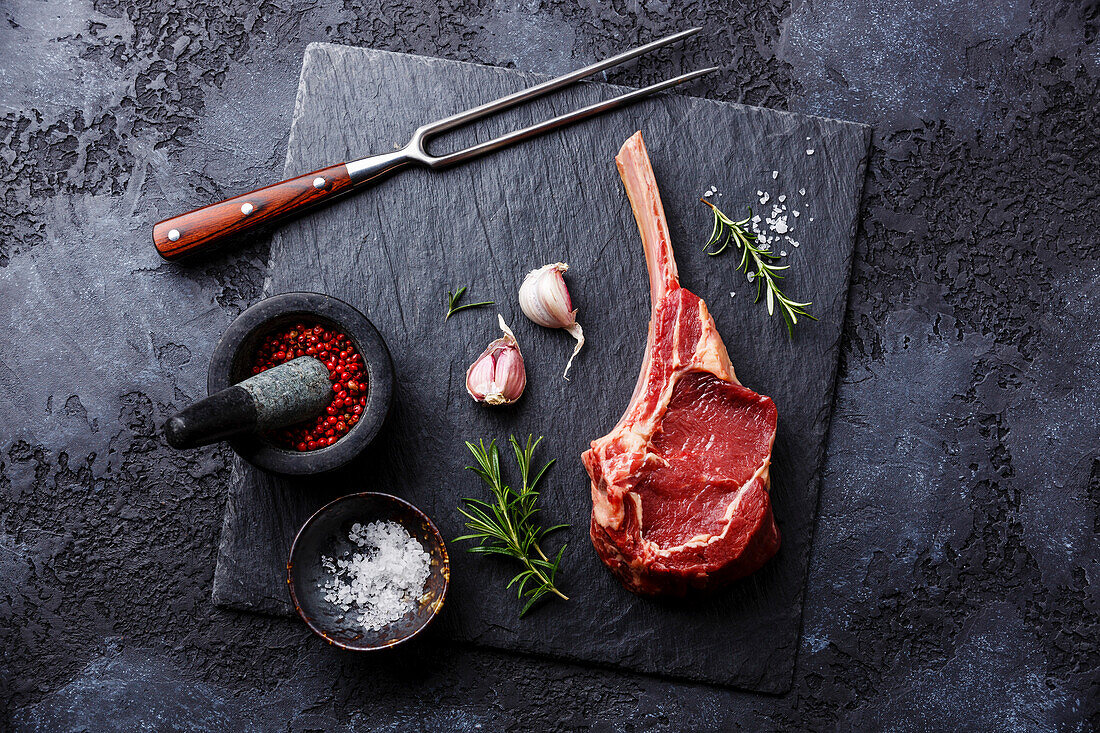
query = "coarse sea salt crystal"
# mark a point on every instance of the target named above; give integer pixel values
(782, 253)
(795, 212)
(764, 198)
(775, 174)
(782, 197)
(381, 580)
(809, 151)
(801, 192)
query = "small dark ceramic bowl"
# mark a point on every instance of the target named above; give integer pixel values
(326, 533)
(233, 354)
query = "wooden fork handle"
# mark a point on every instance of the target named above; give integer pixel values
(213, 225)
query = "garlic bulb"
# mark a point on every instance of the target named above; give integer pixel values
(498, 376)
(544, 299)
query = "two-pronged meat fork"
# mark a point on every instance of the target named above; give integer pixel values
(214, 224)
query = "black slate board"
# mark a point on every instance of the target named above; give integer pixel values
(393, 253)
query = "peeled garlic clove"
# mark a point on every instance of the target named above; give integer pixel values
(498, 376)
(544, 298)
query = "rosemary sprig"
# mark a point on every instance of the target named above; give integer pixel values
(757, 263)
(505, 525)
(452, 302)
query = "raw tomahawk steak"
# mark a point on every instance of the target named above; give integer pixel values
(680, 485)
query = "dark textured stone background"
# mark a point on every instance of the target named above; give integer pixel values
(953, 578)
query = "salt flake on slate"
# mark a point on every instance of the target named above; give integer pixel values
(809, 151)
(775, 174)
(782, 253)
(801, 192)
(782, 197)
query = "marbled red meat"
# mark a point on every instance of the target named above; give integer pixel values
(680, 484)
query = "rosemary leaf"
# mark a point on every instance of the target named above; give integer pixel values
(757, 263)
(452, 302)
(506, 525)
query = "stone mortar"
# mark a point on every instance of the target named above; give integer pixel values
(230, 360)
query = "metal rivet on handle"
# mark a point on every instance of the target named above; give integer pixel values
(174, 234)
(318, 182)
(246, 209)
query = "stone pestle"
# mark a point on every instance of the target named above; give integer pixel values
(297, 390)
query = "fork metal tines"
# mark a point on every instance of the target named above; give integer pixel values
(416, 149)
